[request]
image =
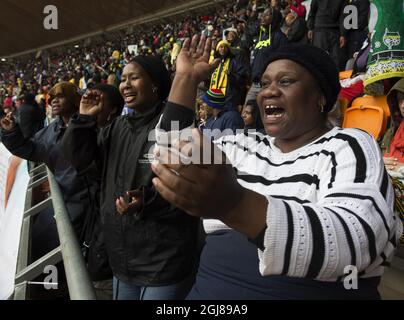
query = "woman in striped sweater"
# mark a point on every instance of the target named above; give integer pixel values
(315, 201)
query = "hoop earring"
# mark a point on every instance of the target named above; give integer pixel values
(154, 89)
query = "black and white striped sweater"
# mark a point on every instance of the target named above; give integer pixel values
(330, 203)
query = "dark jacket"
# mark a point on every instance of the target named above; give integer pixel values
(327, 14)
(31, 119)
(261, 52)
(157, 245)
(298, 31)
(45, 147)
(363, 7)
(229, 120)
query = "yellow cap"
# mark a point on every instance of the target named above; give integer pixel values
(221, 43)
(116, 54)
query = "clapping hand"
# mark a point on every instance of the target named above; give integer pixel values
(204, 190)
(193, 60)
(192, 68)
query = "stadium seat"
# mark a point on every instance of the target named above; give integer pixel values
(345, 74)
(368, 113)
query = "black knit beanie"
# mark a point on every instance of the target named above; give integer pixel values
(157, 71)
(317, 62)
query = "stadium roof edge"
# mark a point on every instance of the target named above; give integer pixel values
(69, 37)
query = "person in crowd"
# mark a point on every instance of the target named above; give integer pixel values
(353, 86)
(232, 37)
(204, 114)
(326, 27)
(275, 4)
(230, 76)
(355, 37)
(45, 147)
(297, 7)
(151, 245)
(223, 120)
(112, 104)
(251, 116)
(30, 116)
(270, 39)
(8, 106)
(393, 142)
(294, 207)
(8, 102)
(295, 28)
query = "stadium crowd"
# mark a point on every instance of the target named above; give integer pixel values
(308, 196)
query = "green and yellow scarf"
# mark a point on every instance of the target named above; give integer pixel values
(219, 78)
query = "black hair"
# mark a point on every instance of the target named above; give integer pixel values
(256, 115)
(113, 96)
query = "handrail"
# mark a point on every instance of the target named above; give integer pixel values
(78, 280)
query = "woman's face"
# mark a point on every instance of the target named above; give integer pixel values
(61, 106)
(289, 103)
(400, 99)
(231, 36)
(247, 115)
(216, 33)
(223, 50)
(136, 88)
(202, 112)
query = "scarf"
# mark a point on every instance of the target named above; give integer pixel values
(219, 78)
(385, 57)
(397, 145)
(264, 43)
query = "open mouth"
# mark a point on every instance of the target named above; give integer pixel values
(274, 113)
(130, 97)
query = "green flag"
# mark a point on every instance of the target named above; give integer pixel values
(386, 58)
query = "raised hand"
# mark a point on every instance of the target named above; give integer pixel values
(132, 206)
(193, 60)
(192, 67)
(8, 122)
(91, 103)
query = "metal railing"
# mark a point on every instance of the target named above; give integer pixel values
(78, 281)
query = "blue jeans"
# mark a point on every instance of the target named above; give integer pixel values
(177, 291)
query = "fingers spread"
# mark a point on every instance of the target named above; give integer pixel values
(207, 49)
(201, 46)
(185, 45)
(194, 44)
